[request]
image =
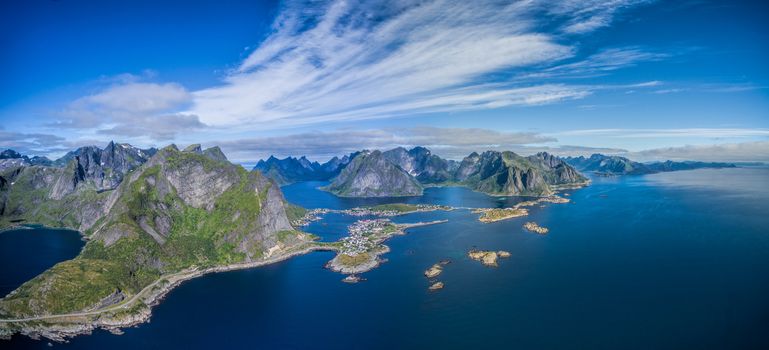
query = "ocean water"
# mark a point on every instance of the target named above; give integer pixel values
(665, 261)
(27, 252)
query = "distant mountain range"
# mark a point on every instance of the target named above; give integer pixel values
(402, 172)
(616, 165)
(290, 169)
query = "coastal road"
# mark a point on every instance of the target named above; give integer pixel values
(174, 278)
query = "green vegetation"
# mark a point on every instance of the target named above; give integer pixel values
(148, 211)
(398, 207)
(497, 214)
(353, 260)
(71, 285)
(295, 212)
(28, 200)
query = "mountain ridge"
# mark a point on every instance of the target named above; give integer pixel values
(176, 210)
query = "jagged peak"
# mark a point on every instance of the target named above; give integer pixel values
(10, 154)
(420, 149)
(193, 148)
(215, 153)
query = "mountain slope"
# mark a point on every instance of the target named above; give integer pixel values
(374, 175)
(421, 163)
(506, 173)
(179, 209)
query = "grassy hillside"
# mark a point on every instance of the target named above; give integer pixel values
(156, 228)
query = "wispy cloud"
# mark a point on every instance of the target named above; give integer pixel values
(456, 143)
(673, 133)
(589, 15)
(31, 143)
(450, 142)
(757, 151)
(345, 60)
(601, 63)
(131, 108)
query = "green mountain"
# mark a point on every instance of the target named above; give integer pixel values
(401, 172)
(507, 173)
(177, 210)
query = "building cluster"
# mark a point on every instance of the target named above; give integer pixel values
(310, 216)
(360, 235)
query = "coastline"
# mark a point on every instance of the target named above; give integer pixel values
(137, 309)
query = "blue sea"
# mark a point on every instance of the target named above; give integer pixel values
(665, 261)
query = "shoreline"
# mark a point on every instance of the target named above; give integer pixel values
(373, 260)
(60, 327)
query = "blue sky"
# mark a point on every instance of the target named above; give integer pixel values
(647, 79)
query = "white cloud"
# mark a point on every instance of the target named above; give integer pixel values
(346, 60)
(137, 98)
(449, 142)
(132, 109)
(665, 133)
(757, 151)
(590, 15)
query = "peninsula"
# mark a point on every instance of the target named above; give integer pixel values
(159, 218)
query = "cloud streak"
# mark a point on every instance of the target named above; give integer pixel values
(345, 60)
(450, 142)
(669, 133)
(757, 151)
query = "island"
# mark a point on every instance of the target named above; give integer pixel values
(435, 286)
(434, 271)
(533, 227)
(487, 257)
(489, 215)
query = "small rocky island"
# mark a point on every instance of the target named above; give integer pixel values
(435, 286)
(489, 215)
(433, 272)
(488, 257)
(533, 227)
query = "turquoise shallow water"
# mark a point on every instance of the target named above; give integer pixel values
(665, 261)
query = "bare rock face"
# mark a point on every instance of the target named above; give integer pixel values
(373, 175)
(102, 169)
(243, 209)
(421, 163)
(215, 153)
(470, 165)
(198, 186)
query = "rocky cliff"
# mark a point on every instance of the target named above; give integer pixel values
(400, 172)
(422, 164)
(506, 173)
(372, 174)
(178, 209)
